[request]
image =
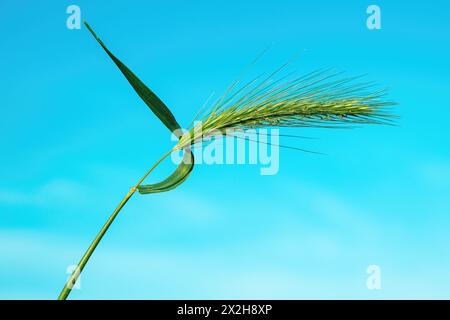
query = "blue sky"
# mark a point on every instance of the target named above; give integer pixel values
(75, 137)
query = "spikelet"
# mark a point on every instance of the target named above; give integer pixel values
(318, 99)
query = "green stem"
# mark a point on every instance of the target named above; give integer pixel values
(76, 273)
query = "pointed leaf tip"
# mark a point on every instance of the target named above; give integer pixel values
(151, 99)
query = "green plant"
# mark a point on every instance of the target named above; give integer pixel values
(319, 99)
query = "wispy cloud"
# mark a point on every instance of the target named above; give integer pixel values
(54, 192)
(436, 173)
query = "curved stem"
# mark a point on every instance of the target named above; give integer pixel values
(76, 273)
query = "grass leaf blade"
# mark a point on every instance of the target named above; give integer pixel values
(180, 174)
(151, 99)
